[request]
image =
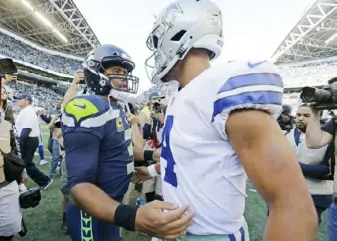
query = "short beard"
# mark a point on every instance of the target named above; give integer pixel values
(302, 129)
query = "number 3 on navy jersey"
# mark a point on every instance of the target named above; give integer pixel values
(170, 177)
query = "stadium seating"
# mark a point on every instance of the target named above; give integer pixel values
(294, 75)
(44, 98)
(21, 51)
(309, 74)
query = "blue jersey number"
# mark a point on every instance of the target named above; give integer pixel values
(170, 177)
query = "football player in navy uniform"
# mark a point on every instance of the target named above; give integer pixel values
(99, 157)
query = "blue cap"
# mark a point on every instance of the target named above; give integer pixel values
(154, 95)
(23, 96)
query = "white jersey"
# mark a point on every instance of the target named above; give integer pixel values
(199, 167)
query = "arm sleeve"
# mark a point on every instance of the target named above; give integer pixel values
(24, 134)
(260, 91)
(316, 171)
(46, 119)
(82, 152)
(329, 127)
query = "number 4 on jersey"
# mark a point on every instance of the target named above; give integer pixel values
(170, 176)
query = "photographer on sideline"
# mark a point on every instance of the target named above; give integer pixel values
(145, 114)
(317, 138)
(152, 132)
(315, 164)
(12, 172)
(10, 218)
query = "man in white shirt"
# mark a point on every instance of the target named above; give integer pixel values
(27, 125)
(315, 163)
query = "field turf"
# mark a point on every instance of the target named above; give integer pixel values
(44, 221)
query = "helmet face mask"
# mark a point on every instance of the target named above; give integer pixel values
(124, 82)
(108, 70)
(180, 27)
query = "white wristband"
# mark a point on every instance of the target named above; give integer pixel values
(152, 170)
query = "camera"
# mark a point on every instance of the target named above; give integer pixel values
(30, 198)
(132, 109)
(157, 107)
(7, 66)
(320, 99)
(286, 121)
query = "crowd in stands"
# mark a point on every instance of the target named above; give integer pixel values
(45, 98)
(295, 75)
(16, 49)
(309, 74)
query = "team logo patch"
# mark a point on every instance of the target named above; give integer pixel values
(80, 108)
(119, 124)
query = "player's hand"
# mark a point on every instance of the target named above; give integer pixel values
(140, 175)
(132, 119)
(79, 77)
(153, 221)
(11, 78)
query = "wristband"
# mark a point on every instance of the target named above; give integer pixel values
(152, 170)
(125, 216)
(148, 155)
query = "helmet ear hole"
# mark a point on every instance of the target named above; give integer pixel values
(178, 35)
(155, 41)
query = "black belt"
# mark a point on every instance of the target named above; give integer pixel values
(158, 197)
(335, 200)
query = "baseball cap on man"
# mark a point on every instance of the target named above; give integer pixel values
(24, 96)
(155, 95)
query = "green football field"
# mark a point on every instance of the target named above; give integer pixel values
(44, 221)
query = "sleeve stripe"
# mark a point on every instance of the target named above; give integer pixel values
(247, 99)
(251, 80)
(250, 88)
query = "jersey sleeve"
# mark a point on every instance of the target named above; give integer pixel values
(253, 90)
(85, 114)
(83, 124)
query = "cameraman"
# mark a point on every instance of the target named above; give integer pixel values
(314, 163)
(152, 130)
(317, 137)
(145, 114)
(10, 218)
(11, 164)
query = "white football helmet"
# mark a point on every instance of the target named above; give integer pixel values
(183, 25)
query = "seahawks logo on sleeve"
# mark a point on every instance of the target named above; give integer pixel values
(80, 108)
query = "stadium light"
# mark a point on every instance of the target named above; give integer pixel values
(27, 5)
(44, 20)
(332, 38)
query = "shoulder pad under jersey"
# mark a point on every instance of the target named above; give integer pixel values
(82, 108)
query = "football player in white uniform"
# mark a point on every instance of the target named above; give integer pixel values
(220, 126)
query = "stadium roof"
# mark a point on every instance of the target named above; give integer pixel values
(314, 36)
(54, 24)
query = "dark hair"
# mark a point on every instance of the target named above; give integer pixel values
(330, 81)
(303, 105)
